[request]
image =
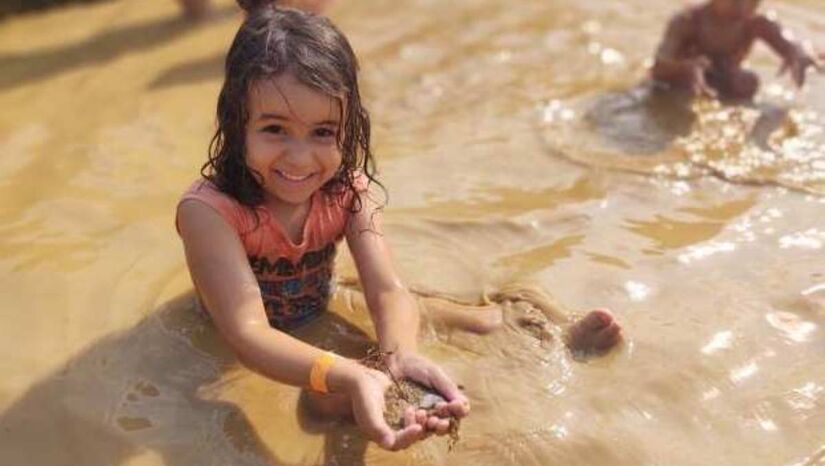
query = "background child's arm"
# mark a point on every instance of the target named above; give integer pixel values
(670, 66)
(794, 57)
(771, 32)
(224, 279)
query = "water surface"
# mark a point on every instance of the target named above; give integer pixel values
(519, 143)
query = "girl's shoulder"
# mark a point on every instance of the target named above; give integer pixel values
(205, 191)
(237, 215)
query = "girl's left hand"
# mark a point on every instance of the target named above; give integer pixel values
(422, 370)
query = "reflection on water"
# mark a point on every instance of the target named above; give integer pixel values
(791, 325)
(650, 130)
(643, 120)
(760, 145)
(700, 225)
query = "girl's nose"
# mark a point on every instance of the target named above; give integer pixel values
(298, 153)
(298, 150)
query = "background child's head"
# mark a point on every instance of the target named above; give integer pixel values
(314, 6)
(270, 43)
(735, 9)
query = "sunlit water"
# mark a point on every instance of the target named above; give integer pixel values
(519, 143)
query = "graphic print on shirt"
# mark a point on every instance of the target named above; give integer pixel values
(295, 293)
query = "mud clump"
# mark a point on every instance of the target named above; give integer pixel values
(536, 327)
(404, 393)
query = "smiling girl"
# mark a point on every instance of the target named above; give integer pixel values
(289, 175)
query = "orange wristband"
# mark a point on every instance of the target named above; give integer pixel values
(318, 374)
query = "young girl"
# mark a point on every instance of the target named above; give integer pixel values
(290, 173)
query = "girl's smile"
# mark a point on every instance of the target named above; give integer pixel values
(294, 178)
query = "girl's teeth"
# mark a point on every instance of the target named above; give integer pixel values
(293, 177)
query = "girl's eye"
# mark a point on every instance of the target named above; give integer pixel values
(325, 133)
(273, 129)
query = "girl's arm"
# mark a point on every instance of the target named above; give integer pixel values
(392, 308)
(394, 311)
(221, 273)
(229, 290)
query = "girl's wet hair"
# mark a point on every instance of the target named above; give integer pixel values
(273, 41)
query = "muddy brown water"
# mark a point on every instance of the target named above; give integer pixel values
(519, 143)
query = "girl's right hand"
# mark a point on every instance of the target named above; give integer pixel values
(367, 395)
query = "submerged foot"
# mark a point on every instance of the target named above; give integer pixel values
(595, 333)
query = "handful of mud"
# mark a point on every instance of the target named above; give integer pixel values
(404, 393)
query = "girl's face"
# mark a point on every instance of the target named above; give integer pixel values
(291, 138)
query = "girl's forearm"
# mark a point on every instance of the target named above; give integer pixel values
(285, 359)
(396, 318)
(240, 319)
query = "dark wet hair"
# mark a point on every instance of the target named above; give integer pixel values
(270, 42)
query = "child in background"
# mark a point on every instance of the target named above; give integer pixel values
(290, 173)
(196, 9)
(312, 6)
(704, 47)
